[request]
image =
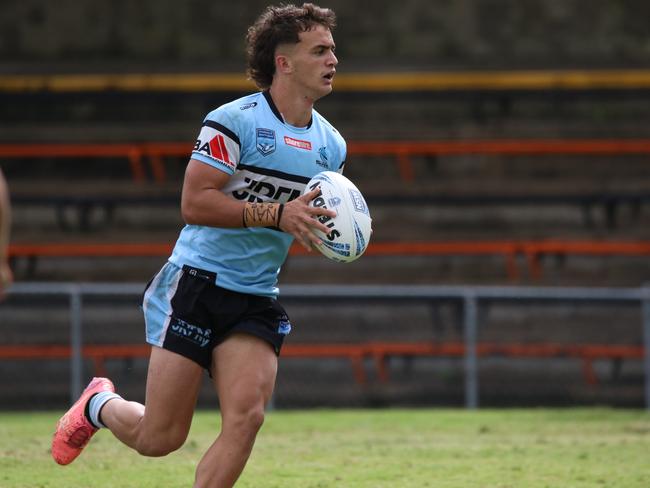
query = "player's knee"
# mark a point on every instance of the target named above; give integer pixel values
(248, 421)
(256, 419)
(161, 444)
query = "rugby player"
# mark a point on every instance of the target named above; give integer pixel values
(213, 306)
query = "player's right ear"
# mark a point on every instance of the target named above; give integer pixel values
(283, 64)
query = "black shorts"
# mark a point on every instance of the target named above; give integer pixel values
(200, 315)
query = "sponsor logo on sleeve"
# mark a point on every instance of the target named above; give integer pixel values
(217, 146)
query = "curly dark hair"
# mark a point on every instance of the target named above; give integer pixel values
(280, 24)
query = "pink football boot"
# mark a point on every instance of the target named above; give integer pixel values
(73, 430)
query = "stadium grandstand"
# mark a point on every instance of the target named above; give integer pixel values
(509, 164)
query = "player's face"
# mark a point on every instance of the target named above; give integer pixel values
(314, 62)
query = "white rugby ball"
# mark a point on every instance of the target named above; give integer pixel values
(349, 232)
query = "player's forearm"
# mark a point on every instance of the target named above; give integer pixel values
(212, 208)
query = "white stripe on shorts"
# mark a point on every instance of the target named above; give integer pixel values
(156, 303)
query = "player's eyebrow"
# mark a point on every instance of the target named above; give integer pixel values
(325, 47)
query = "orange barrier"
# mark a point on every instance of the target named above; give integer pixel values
(134, 153)
(508, 249)
(154, 152)
(535, 250)
(404, 150)
(511, 251)
(379, 352)
(586, 352)
(28, 250)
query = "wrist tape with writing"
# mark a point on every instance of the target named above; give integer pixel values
(262, 214)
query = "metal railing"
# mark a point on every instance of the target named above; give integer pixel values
(470, 297)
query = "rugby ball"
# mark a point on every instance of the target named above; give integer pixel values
(349, 232)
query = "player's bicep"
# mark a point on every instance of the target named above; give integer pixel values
(201, 176)
(202, 192)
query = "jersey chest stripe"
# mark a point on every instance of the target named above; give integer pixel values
(223, 129)
(273, 172)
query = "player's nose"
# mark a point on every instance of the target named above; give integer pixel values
(333, 60)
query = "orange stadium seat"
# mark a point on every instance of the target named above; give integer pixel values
(153, 152)
(510, 250)
(379, 352)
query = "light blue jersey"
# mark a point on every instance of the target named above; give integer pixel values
(270, 161)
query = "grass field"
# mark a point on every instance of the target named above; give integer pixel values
(535, 448)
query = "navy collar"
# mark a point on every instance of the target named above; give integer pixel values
(276, 112)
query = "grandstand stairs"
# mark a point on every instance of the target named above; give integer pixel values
(423, 381)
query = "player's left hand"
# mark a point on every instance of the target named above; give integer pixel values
(299, 218)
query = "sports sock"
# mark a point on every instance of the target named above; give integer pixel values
(95, 404)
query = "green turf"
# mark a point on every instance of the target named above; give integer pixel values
(571, 448)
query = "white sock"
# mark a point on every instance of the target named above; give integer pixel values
(95, 406)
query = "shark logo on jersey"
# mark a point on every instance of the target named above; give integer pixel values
(322, 152)
(265, 142)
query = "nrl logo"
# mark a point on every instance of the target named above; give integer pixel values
(265, 142)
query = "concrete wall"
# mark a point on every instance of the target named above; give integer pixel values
(208, 35)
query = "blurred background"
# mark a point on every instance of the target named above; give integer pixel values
(502, 146)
